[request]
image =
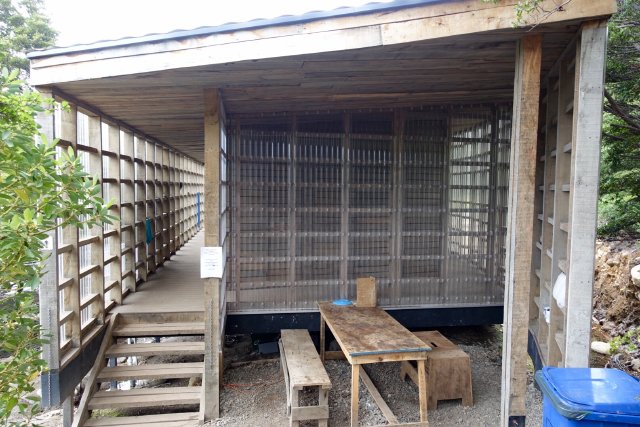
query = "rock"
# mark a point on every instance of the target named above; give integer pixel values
(613, 261)
(635, 275)
(601, 347)
(635, 364)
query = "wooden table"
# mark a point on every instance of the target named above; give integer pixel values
(371, 335)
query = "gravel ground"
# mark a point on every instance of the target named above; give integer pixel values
(254, 393)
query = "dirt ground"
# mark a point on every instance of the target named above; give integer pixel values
(616, 300)
(254, 393)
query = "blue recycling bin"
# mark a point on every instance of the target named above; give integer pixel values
(584, 397)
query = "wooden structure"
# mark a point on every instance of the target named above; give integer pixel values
(425, 142)
(448, 370)
(371, 335)
(302, 368)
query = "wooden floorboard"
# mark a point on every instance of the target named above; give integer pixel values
(156, 349)
(146, 397)
(175, 287)
(159, 329)
(184, 419)
(151, 371)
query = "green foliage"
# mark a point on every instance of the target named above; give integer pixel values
(38, 191)
(620, 174)
(23, 28)
(531, 12)
(628, 342)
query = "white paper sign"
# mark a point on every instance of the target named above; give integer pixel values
(211, 262)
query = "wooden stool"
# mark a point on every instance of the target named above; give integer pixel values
(448, 370)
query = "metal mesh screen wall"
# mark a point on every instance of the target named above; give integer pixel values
(416, 199)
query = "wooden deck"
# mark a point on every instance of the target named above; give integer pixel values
(175, 287)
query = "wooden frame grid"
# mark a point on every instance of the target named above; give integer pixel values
(567, 201)
(93, 268)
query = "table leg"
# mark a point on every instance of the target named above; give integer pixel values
(355, 394)
(322, 343)
(422, 390)
(323, 400)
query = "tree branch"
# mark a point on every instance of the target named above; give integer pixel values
(618, 111)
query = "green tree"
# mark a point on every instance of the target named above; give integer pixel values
(23, 28)
(620, 175)
(39, 191)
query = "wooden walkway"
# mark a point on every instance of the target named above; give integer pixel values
(175, 287)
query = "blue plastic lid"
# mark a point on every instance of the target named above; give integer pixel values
(578, 393)
(342, 302)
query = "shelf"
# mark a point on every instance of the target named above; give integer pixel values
(562, 265)
(540, 217)
(569, 107)
(550, 220)
(553, 153)
(566, 148)
(549, 254)
(552, 187)
(564, 226)
(539, 245)
(566, 187)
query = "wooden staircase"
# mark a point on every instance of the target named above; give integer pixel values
(163, 400)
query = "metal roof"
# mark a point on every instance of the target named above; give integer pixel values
(236, 26)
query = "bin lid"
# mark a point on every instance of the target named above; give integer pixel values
(590, 393)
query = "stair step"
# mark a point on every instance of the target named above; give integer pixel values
(159, 329)
(145, 398)
(156, 349)
(184, 419)
(152, 371)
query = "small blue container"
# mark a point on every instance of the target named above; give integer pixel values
(584, 397)
(342, 302)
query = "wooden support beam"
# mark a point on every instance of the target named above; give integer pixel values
(212, 373)
(48, 288)
(520, 229)
(585, 159)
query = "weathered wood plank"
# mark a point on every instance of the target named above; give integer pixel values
(590, 64)
(145, 398)
(151, 371)
(303, 362)
(184, 419)
(520, 226)
(210, 406)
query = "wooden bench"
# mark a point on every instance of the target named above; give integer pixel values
(302, 368)
(448, 370)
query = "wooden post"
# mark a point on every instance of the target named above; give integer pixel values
(48, 288)
(520, 229)
(211, 379)
(585, 159)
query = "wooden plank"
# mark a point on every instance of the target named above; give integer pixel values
(50, 311)
(519, 227)
(302, 413)
(303, 361)
(92, 379)
(159, 329)
(151, 371)
(155, 349)
(377, 397)
(355, 394)
(590, 64)
(211, 381)
(369, 334)
(145, 398)
(366, 292)
(184, 419)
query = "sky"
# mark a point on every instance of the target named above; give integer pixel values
(87, 21)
